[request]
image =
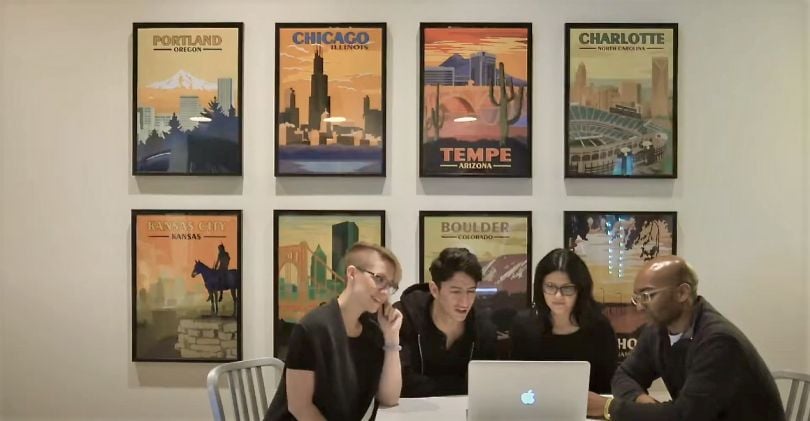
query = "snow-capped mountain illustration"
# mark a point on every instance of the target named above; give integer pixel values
(184, 79)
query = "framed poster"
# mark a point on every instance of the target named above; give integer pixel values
(187, 285)
(475, 101)
(330, 99)
(621, 100)
(502, 243)
(308, 250)
(615, 246)
(187, 99)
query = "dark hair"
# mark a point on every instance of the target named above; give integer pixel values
(586, 310)
(452, 260)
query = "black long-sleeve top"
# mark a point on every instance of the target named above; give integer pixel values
(596, 344)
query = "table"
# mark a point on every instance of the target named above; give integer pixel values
(448, 408)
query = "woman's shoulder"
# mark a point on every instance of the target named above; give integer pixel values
(600, 325)
(321, 315)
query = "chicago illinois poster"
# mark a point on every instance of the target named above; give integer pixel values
(330, 99)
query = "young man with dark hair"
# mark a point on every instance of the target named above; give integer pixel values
(441, 332)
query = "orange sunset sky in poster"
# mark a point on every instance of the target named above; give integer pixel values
(353, 74)
(509, 45)
(208, 66)
(161, 257)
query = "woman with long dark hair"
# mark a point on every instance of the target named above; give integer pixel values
(565, 322)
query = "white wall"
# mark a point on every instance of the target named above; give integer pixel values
(64, 263)
(806, 155)
(4, 275)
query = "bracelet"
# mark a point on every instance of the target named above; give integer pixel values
(606, 411)
(392, 347)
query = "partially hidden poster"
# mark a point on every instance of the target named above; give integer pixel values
(502, 243)
(187, 99)
(330, 99)
(475, 100)
(186, 285)
(310, 266)
(615, 246)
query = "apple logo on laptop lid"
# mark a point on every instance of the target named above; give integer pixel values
(527, 397)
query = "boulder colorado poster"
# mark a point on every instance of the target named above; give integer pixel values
(502, 243)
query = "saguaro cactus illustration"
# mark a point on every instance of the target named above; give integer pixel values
(504, 120)
(437, 114)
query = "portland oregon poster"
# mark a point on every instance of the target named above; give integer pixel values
(187, 111)
(621, 100)
(475, 100)
(330, 99)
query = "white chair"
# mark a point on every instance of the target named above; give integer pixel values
(246, 382)
(799, 383)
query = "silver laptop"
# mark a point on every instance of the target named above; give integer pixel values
(528, 390)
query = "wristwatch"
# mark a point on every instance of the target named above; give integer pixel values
(606, 412)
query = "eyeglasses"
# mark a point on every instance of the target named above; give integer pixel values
(380, 281)
(646, 296)
(565, 290)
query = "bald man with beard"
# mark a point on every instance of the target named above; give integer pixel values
(711, 370)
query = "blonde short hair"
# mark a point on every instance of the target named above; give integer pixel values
(358, 255)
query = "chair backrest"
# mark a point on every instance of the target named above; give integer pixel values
(247, 386)
(799, 391)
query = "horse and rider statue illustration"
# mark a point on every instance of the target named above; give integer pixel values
(218, 279)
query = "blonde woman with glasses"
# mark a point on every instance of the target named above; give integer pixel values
(344, 356)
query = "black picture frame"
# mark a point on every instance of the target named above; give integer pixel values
(216, 329)
(377, 123)
(646, 236)
(431, 164)
(643, 136)
(306, 261)
(211, 151)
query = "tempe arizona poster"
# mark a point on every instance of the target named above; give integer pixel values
(621, 100)
(476, 100)
(186, 285)
(187, 111)
(330, 99)
(502, 243)
(615, 245)
(309, 252)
